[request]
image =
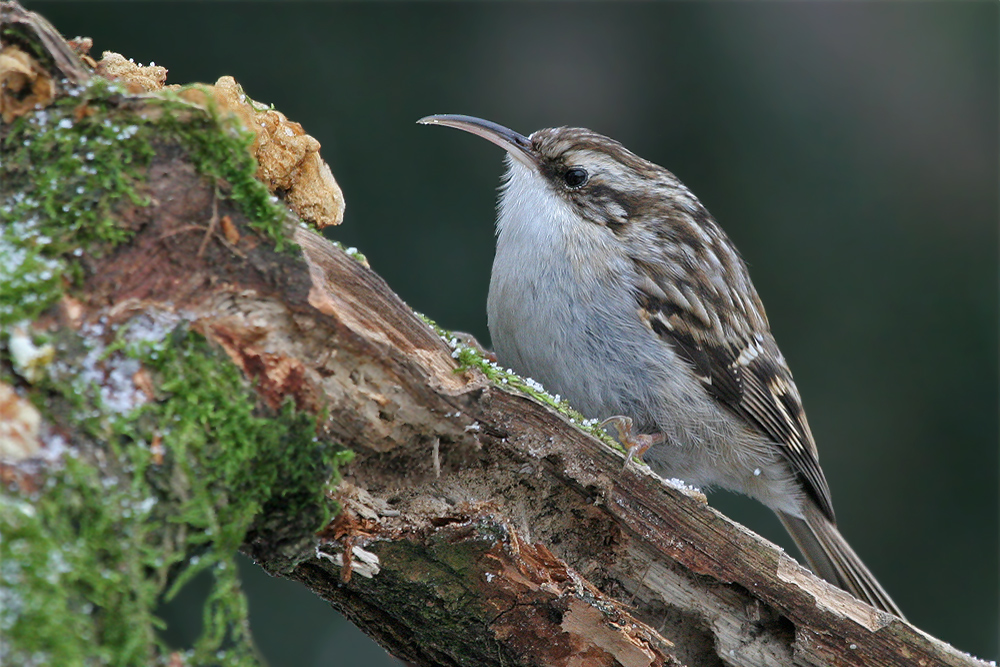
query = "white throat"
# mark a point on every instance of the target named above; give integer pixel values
(546, 258)
(531, 217)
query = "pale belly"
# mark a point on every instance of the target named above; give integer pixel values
(605, 362)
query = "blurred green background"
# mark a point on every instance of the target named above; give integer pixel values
(849, 149)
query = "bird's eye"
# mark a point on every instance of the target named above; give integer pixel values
(575, 177)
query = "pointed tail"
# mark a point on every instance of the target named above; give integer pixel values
(831, 557)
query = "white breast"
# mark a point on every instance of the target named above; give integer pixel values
(548, 319)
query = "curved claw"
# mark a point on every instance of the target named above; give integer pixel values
(636, 443)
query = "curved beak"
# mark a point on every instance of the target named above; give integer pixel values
(518, 145)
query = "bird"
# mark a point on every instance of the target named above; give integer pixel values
(614, 287)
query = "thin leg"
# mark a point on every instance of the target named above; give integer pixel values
(636, 443)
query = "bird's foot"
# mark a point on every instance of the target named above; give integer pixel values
(636, 443)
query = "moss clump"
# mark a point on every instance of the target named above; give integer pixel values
(86, 560)
(74, 578)
(64, 171)
(219, 147)
(67, 168)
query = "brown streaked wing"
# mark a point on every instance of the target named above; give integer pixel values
(756, 386)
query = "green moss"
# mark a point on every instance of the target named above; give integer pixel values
(86, 560)
(219, 147)
(175, 485)
(62, 178)
(67, 168)
(351, 252)
(471, 357)
(74, 573)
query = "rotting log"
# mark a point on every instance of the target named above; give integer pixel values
(477, 525)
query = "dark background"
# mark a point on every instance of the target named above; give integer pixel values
(849, 149)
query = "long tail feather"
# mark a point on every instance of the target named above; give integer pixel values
(831, 557)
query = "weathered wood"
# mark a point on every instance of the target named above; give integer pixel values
(720, 593)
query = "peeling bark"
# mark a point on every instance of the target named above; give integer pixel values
(717, 593)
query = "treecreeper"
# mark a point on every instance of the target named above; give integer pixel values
(614, 287)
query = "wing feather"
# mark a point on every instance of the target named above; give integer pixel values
(740, 365)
